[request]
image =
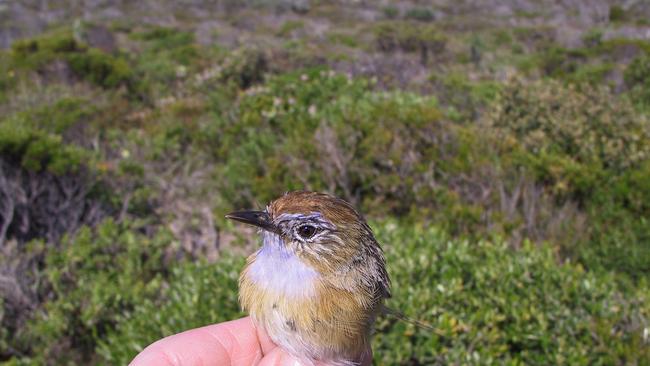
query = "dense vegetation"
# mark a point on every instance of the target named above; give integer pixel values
(505, 172)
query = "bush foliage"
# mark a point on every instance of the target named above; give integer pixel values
(490, 305)
(426, 40)
(84, 62)
(583, 124)
(487, 303)
(637, 77)
(95, 279)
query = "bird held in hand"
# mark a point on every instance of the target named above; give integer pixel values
(319, 280)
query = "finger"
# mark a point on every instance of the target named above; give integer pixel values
(266, 343)
(279, 357)
(233, 343)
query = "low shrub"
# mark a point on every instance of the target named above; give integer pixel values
(637, 79)
(583, 123)
(618, 209)
(490, 304)
(7, 76)
(198, 294)
(36, 149)
(391, 36)
(617, 14)
(390, 153)
(588, 146)
(244, 67)
(96, 278)
(559, 62)
(420, 14)
(465, 100)
(98, 68)
(90, 64)
(166, 57)
(161, 38)
(345, 133)
(618, 241)
(390, 12)
(487, 303)
(288, 27)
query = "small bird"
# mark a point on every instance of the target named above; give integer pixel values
(319, 279)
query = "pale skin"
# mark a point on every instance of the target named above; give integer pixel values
(236, 343)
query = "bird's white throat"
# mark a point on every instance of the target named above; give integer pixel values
(276, 268)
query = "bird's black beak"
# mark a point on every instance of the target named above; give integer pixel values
(260, 219)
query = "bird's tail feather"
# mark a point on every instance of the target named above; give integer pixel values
(420, 324)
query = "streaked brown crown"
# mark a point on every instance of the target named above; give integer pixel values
(334, 209)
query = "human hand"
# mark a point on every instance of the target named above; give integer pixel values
(237, 342)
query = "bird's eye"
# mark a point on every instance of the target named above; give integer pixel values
(306, 231)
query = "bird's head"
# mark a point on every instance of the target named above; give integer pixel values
(323, 231)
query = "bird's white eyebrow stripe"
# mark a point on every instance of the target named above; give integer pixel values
(289, 216)
(315, 217)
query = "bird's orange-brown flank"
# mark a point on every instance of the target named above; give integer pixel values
(319, 279)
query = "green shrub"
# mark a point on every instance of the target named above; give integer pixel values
(37, 52)
(97, 67)
(632, 190)
(96, 278)
(61, 116)
(7, 76)
(488, 304)
(596, 63)
(409, 37)
(50, 188)
(637, 79)
(465, 99)
(390, 153)
(169, 43)
(162, 37)
(86, 63)
(593, 38)
(594, 74)
(198, 294)
(35, 149)
(320, 130)
(289, 27)
(587, 124)
(343, 38)
(492, 305)
(560, 62)
(586, 145)
(617, 14)
(244, 67)
(618, 210)
(166, 57)
(390, 12)
(618, 240)
(420, 14)
(49, 136)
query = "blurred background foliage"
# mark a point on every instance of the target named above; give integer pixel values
(501, 154)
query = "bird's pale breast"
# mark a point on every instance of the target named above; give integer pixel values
(300, 312)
